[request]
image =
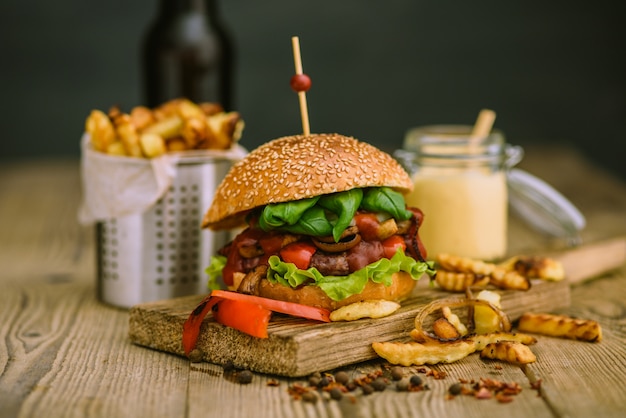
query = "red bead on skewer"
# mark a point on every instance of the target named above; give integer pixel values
(300, 82)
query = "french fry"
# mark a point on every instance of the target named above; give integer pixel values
(433, 352)
(509, 351)
(176, 145)
(152, 145)
(101, 130)
(538, 267)
(127, 133)
(464, 264)
(167, 109)
(194, 131)
(414, 353)
(481, 341)
(210, 109)
(512, 280)
(454, 320)
(561, 326)
(364, 309)
(226, 128)
(141, 117)
(485, 319)
(445, 330)
(453, 281)
(116, 148)
(169, 127)
(180, 123)
(187, 109)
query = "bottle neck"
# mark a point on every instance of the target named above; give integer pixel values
(169, 8)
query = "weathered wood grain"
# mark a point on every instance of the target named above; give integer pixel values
(297, 347)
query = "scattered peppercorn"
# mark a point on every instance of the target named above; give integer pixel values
(402, 385)
(415, 380)
(351, 386)
(379, 384)
(228, 367)
(314, 380)
(397, 373)
(342, 377)
(310, 396)
(324, 381)
(455, 389)
(336, 394)
(244, 377)
(367, 389)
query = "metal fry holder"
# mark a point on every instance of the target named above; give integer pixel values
(163, 252)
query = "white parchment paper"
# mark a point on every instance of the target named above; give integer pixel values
(115, 186)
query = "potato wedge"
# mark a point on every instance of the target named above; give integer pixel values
(414, 353)
(100, 128)
(485, 319)
(454, 281)
(511, 280)
(364, 309)
(509, 351)
(433, 352)
(152, 145)
(445, 330)
(454, 320)
(561, 326)
(538, 267)
(464, 264)
(481, 341)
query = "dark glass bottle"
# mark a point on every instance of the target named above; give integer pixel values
(187, 52)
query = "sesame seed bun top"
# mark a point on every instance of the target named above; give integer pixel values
(299, 167)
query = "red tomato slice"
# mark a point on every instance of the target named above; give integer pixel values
(368, 225)
(289, 308)
(298, 253)
(391, 245)
(244, 316)
(247, 313)
(191, 327)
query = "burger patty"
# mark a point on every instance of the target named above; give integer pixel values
(335, 264)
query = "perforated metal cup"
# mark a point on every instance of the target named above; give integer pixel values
(163, 252)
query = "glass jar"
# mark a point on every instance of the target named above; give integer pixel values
(460, 184)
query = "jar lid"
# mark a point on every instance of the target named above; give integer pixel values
(542, 207)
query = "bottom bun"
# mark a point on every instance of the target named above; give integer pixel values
(400, 288)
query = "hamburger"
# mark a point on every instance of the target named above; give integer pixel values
(323, 223)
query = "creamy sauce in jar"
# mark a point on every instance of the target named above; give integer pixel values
(465, 213)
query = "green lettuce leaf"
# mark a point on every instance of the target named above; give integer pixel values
(278, 215)
(344, 205)
(384, 199)
(214, 271)
(312, 222)
(341, 287)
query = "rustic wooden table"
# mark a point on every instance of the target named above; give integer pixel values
(65, 354)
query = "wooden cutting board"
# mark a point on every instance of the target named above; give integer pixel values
(297, 347)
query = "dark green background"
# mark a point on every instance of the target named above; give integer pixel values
(553, 70)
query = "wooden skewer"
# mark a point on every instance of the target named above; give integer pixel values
(304, 113)
(483, 124)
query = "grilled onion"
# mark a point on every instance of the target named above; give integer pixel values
(337, 247)
(419, 334)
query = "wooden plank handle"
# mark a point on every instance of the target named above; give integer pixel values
(592, 260)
